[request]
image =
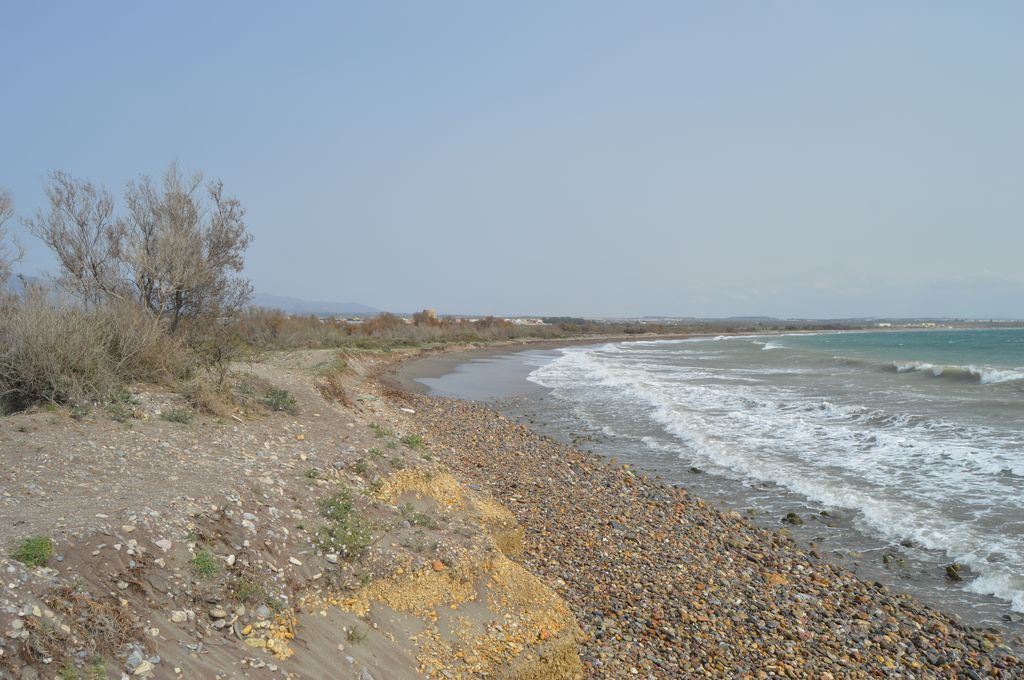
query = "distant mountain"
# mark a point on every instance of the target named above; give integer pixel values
(297, 306)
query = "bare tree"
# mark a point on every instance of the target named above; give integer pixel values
(10, 250)
(82, 231)
(184, 247)
(178, 250)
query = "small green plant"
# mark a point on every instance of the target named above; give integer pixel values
(97, 669)
(397, 463)
(360, 467)
(413, 441)
(345, 534)
(177, 415)
(80, 411)
(379, 430)
(68, 672)
(338, 507)
(355, 634)
(392, 444)
(417, 519)
(247, 591)
(121, 406)
(349, 540)
(34, 552)
(312, 473)
(204, 564)
(279, 400)
(375, 452)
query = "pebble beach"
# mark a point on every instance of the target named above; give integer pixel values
(666, 586)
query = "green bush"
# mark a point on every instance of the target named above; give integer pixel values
(345, 533)
(279, 400)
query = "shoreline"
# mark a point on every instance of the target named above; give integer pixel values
(400, 375)
(403, 372)
(665, 585)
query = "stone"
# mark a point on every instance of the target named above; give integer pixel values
(218, 613)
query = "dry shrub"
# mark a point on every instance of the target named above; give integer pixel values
(207, 396)
(60, 353)
(101, 626)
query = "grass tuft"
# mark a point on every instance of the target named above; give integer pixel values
(34, 552)
(204, 564)
(413, 441)
(177, 415)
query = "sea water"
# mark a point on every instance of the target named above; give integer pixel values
(903, 452)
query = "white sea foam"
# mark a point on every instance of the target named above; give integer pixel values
(985, 375)
(907, 475)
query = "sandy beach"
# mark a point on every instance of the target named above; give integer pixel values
(664, 585)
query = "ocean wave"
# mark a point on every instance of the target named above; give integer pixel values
(898, 471)
(984, 375)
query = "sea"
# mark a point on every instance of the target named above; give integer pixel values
(902, 452)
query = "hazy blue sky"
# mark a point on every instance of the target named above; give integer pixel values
(621, 158)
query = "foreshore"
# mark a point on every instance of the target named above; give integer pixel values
(664, 585)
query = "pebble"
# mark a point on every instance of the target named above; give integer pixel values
(665, 586)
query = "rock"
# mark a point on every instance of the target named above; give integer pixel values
(134, 659)
(262, 612)
(294, 561)
(164, 544)
(218, 613)
(230, 560)
(438, 565)
(144, 668)
(953, 572)
(792, 518)
(331, 557)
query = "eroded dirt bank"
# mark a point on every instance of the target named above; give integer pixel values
(329, 541)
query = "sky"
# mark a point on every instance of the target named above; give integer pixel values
(792, 159)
